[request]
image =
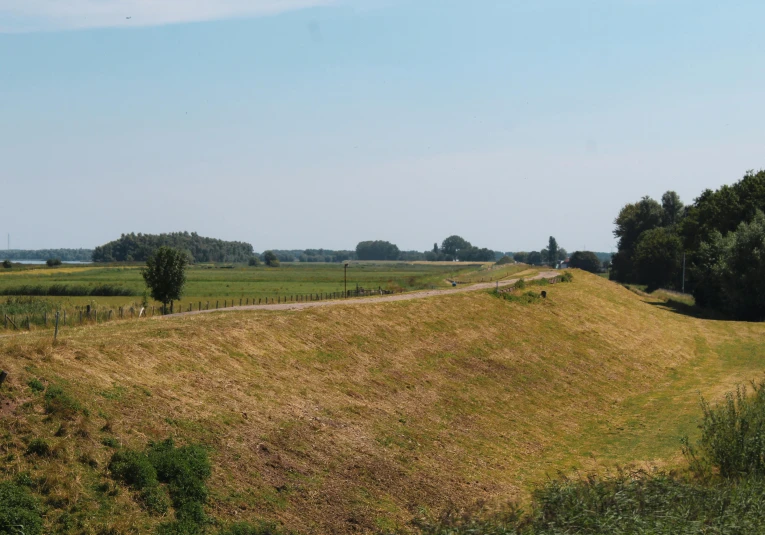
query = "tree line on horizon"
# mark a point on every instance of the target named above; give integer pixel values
(720, 238)
(65, 255)
(139, 247)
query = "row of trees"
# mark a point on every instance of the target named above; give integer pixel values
(139, 247)
(457, 248)
(550, 255)
(721, 236)
(65, 255)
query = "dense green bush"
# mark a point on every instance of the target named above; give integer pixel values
(7, 264)
(19, 511)
(505, 260)
(53, 262)
(732, 436)
(185, 470)
(134, 469)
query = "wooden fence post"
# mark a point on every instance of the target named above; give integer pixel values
(55, 333)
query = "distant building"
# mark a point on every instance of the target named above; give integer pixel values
(563, 264)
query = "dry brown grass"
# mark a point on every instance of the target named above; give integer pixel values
(349, 418)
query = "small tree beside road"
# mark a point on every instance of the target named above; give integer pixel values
(165, 275)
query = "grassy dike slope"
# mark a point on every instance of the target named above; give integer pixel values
(350, 418)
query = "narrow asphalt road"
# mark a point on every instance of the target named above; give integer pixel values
(372, 300)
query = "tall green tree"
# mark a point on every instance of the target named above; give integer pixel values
(730, 271)
(535, 258)
(632, 221)
(452, 246)
(658, 258)
(552, 251)
(165, 275)
(270, 259)
(672, 209)
(586, 260)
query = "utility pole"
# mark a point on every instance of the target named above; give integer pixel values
(346, 280)
(683, 272)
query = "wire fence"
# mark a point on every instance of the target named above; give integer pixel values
(91, 314)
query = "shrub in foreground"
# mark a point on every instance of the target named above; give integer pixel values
(19, 511)
(732, 436)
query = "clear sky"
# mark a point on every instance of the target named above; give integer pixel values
(300, 123)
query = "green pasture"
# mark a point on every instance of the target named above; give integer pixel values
(226, 282)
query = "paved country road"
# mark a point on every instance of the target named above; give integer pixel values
(423, 294)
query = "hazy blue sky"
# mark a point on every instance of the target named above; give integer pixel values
(293, 124)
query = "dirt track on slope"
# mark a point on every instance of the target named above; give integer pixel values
(373, 300)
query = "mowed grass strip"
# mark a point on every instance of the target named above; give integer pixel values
(349, 418)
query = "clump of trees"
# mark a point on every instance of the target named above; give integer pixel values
(550, 255)
(377, 250)
(53, 262)
(270, 259)
(456, 248)
(585, 260)
(721, 235)
(650, 247)
(139, 247)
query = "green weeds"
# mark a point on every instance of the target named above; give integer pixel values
(720, 493)
(19, 511)
(58, 402)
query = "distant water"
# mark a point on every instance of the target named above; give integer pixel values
(40, 262)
